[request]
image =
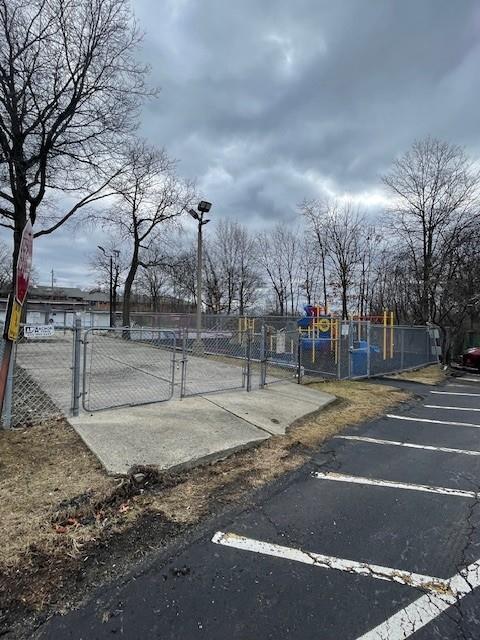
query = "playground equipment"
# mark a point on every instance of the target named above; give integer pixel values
(245, 323)
(387, 322)
(320, 331)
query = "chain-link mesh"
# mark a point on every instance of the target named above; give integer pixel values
(281, 355)
(140, 365)
(215, 360)
(42, 377)
(127, 367)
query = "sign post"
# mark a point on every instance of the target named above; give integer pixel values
(15, 303)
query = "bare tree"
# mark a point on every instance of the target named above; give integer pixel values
(344, 225)
(311, 270)
(69, 92)
(435, 197)
(154, 279)
(278, 255)
(315, 212)
(231, 273)
(149, 194)
(248, 277)
(183, 274)
(100, 266)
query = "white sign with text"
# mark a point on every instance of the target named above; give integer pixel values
(38, 331)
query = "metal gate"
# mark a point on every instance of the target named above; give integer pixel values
(215, 360)
(127, 366)
(281, 356)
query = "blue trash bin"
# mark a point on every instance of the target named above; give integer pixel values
(359, 357)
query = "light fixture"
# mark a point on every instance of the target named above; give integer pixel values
(204, 206)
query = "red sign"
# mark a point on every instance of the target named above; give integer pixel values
(24, 263)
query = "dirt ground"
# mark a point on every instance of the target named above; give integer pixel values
(433, 374)
(66, 524)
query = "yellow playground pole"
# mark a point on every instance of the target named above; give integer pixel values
(391, 334)
(385, 335)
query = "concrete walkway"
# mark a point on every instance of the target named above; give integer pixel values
(189, 432)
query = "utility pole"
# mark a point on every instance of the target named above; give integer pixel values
(203, 207)
(112, 297)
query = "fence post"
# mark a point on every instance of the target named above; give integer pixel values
(368, 349)
(77, 337)
(249, 359)
(299, 359)
(7, 409)
(263, 363)
(402, 348)
(184, 363)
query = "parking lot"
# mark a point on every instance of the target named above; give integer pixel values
(376, 539)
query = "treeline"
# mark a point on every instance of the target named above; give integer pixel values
(418, 257)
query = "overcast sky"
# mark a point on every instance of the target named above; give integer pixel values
(266, 102)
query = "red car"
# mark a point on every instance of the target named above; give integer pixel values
(471, 358)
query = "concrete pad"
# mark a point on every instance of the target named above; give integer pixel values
(170, 435)
(274, 408)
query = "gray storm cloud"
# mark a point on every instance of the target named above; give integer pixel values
(269, 102)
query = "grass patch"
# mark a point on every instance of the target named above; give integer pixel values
(42, 469)
(433, 374)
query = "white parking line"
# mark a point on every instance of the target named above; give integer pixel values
(455, 393)
(340, 477)
(464, 386)
(413, 419)
(409, 445)
(437, 406)
(409, 620)
(470, 379)
(429, 583)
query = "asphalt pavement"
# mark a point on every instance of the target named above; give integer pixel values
(377, 538)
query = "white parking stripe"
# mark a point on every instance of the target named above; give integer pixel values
(464, 386)
(409, 620)
(470, 379)
(438, 406)
(455, 393)
(340, 477)
(413, 419)
(409, 445)
(429, 583)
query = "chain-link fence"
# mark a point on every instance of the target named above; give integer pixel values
(214, 360)
(53, 376)
(42, 378)
(127, 367)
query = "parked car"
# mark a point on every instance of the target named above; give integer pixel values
(471, 358)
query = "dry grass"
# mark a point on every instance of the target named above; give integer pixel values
(55, 497)
(41, 468)
(432, 374)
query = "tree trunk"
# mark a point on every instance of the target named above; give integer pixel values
(127, 294)
(344, 302)
(324, 278)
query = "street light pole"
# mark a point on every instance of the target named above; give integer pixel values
(110, 256)
(203, 207)
(199, 280)
(111, 291)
